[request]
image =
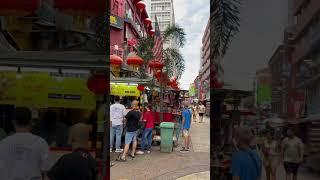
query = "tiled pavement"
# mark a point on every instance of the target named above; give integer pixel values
(169, 166)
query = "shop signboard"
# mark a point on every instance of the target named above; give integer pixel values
(41, 90)
(116, 21)
(124, 90)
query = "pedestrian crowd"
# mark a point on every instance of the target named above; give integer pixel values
(247, 162)
(25, 156)
(141, 122)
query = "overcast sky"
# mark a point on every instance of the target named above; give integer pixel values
(261, 32)
(262, 25)
(193, 16)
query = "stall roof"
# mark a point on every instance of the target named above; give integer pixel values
(44, 59)
(130, 80)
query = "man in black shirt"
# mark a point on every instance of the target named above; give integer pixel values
(78, 165)
(132, 124)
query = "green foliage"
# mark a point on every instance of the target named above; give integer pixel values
(173, 62)
(225, 24)
(175, 32)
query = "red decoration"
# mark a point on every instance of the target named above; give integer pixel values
(115, 60)
(134, 60)
(18, 7)
(141, 5)
(152, 31)
(147, 21)
(140, 87)
(82, 7)
(132, 42)
(98, 84)
(154, 64)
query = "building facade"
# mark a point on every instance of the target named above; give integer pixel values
(126, 26)
(279, 69)
(204, 75)
(263, 91)
(164, 11)
(305, 58)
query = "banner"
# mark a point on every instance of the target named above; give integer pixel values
(124, 90)
(41, 90)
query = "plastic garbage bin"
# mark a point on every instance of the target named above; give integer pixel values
(166, 132)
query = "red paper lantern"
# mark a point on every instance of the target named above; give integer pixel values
(115, 60)
(134, 61)
(141, 5)
(140, 87)
(18, 7)
(147, 21)
(156, 65)
(98, 84)
(115, 63)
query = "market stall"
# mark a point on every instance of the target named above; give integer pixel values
(56, 82)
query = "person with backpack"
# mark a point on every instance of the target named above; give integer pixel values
(246, 163)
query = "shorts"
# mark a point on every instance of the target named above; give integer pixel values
(130, 137)
(291, 168)
(201, 114)
(186, 132)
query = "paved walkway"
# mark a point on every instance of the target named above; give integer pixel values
(169, 166)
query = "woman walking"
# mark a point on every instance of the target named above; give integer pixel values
(271, 154)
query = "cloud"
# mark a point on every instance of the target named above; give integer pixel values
(193, 17)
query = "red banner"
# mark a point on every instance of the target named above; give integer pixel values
(18, 7)
(82, 7)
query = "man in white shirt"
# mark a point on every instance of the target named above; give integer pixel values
(23, 155)
(117, 113)
(292, 151)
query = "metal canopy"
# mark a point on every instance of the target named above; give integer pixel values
(42, 59)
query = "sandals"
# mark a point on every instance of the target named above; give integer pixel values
(121, 160)
(132, 156)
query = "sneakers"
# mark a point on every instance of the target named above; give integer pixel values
(119, 150)
(111, 150)
(187, 149)
(140, 152)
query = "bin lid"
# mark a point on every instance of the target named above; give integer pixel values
(167, 125)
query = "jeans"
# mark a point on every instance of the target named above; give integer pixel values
(146, 138)
(116, 131)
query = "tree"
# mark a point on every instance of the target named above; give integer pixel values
(225, 23)
(172, 58)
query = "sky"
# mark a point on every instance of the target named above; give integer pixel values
(193, 16)
(261, 32)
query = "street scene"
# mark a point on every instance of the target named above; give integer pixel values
(264, 90)
(163, 128)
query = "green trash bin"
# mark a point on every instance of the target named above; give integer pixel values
(166, 131)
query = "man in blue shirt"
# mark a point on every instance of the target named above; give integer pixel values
(246, 163)
(186, 123)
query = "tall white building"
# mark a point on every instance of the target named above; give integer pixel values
(164, 11)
